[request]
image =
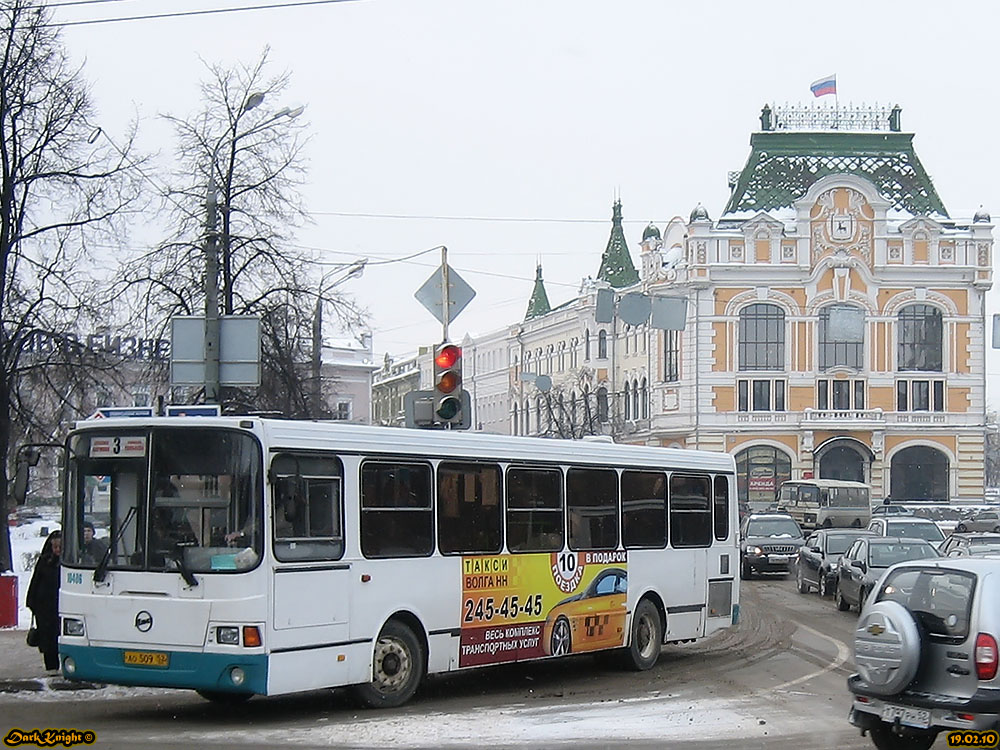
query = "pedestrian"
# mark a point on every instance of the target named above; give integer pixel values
(92, 550)
(43, 599)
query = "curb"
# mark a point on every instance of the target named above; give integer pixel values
(45, 684)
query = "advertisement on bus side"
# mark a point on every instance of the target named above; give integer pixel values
(547, 604)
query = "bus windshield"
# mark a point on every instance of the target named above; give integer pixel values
(170, 499)
(808, 495)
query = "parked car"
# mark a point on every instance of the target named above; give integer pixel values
(926, 652)
(769, 542)
(972, 543)
(908, 528)
(985, 520)
(868, 558)
(885, 509)
(816, 566)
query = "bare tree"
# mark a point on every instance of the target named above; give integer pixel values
(247, 157)
(63, 189)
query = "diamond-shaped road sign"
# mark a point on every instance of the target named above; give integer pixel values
(431, 296)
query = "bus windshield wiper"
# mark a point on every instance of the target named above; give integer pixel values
(178, 557)
(102, 567)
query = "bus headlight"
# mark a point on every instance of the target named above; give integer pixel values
(751, 550)
(227, 635)
(72, 626)
(237, 675)
(69, 665)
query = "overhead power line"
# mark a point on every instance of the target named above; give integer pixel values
(509, 219)
(180, 14)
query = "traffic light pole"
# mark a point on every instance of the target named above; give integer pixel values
(445, 301)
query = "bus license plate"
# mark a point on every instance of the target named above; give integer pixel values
(147, 658)
(911, 717)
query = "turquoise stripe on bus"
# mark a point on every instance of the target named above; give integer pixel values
(197, 671)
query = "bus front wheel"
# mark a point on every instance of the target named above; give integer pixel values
(647, 636)
(397, 668)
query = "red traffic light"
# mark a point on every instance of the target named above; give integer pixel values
(447, 356)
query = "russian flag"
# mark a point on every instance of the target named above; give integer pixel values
(824, 86)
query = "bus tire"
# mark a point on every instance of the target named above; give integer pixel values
(561, 640)
(224, 698)
(398, 666)
(646, 637)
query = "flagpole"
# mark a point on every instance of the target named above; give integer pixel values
(836, 103)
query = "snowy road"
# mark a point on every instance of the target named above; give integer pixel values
(777, 681)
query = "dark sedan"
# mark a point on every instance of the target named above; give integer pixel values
(817, 562)
(768, 543)
(867, 559)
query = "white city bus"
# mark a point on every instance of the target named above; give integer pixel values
(824, 503)
(253, 556)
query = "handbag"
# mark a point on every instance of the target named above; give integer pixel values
(32, 637)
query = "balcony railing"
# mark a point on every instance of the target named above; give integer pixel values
(843, 415)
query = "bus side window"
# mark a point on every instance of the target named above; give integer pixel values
(690, 511)
(308, 507)
(534, 510)
(644, 509)
(721, 507)
(469, 517)
(397, 518)
(592, 507)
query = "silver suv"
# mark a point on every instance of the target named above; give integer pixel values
(926, 652)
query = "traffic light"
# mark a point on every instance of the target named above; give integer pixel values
(448, 384)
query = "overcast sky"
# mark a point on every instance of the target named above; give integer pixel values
(515, 123)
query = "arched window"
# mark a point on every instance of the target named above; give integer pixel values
(562, 356)
(586, 346)
(602, 404)
(760, 470)
(635, 399)
(920, 334)
(514, 421)
(572, 410)
(538, 414)
(919, 473)
(627, 402)
(602, 344)
(842, 462)
(762, 337)
(644, 399)
(626, 333)
(526, 419)
(841, 337)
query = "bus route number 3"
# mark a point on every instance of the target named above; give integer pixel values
(485, 609)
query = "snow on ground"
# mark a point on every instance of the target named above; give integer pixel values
(25, 543)
(653, 718)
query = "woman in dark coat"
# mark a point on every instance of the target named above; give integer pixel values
(43, 599)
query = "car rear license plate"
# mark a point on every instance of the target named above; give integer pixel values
(777, 558)
(911, 717)
(147, 659)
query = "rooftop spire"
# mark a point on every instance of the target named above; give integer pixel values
(616, 263)
(539, 302)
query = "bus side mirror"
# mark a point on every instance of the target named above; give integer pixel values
(20, 489)
(27, 457)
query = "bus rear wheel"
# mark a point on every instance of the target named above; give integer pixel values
(398, 668)
(647, 637)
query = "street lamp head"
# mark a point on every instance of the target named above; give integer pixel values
(253, 100)
(295, 112)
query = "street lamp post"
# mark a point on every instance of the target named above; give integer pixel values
(352, 271)
(211, 246)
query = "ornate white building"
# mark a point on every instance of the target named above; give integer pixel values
(835, 326)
